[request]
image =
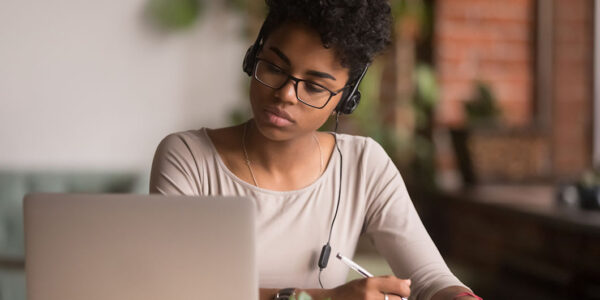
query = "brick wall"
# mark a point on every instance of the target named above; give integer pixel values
(572, 73)
(487, 40)
(495, 41)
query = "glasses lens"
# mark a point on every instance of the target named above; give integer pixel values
(270, 75)
(274, 77)
(312, 93)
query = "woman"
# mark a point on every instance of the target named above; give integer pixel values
(312, 188)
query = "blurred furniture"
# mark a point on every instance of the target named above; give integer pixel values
(521, 243)
(13, 187)
(503, 155)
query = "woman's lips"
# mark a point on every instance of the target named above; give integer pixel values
(280, 113)
(277, 119)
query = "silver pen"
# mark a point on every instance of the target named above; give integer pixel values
(354, 266)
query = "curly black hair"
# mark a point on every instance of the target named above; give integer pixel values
(357, 30)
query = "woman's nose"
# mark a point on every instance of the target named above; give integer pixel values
(287, 92)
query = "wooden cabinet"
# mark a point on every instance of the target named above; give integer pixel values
(521, 243)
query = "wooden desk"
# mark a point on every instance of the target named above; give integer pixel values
(522, 240)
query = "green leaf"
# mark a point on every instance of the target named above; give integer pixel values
(175, 14)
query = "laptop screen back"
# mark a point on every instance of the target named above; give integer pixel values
(139, 247)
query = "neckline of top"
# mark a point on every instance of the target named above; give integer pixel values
(334, 159)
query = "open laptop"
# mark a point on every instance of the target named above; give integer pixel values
(144, 247)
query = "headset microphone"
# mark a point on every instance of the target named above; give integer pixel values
(324, 257)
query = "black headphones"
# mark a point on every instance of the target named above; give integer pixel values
(346, 106)
(250, 58)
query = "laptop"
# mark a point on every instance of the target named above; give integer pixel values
(112, 247)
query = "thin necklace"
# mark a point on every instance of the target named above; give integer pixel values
(248, 160)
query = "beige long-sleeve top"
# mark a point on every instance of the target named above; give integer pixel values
(293, 225)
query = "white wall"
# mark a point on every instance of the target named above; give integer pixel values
(91, 85)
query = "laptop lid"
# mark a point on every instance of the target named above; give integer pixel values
(139, 247)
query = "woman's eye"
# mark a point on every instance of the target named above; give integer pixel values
(274, 69)
(313, 88)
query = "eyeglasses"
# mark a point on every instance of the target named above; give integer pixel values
(307, 92)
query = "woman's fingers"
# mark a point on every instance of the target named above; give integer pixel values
(391, 285)
(372, 289)
(394, 297)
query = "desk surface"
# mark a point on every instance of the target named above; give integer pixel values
(535, 200)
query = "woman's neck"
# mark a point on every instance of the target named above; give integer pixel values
(281, 157)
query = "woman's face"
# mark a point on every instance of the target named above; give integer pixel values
(297, 50)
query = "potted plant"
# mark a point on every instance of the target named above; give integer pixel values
(481, 111)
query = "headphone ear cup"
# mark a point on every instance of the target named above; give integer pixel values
(248, 63)
(351, 103)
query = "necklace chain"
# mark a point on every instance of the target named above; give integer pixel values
(248, 160)
(246, 154)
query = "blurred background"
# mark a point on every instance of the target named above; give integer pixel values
(490, 109)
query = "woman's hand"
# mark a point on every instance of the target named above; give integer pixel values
(372, 288)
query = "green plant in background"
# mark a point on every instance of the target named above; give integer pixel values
(414, 10)
(367, 115)
(409, 148)
(424, 102)
(481, 110)
(175, 14)
(182, 14)
(426, 94)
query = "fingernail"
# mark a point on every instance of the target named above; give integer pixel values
(409, 282)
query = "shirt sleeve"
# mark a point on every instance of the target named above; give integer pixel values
(394, 227)
(174, 168)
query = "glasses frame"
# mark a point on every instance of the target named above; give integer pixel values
(295, 81)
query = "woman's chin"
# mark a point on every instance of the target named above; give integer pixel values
(273, 132)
